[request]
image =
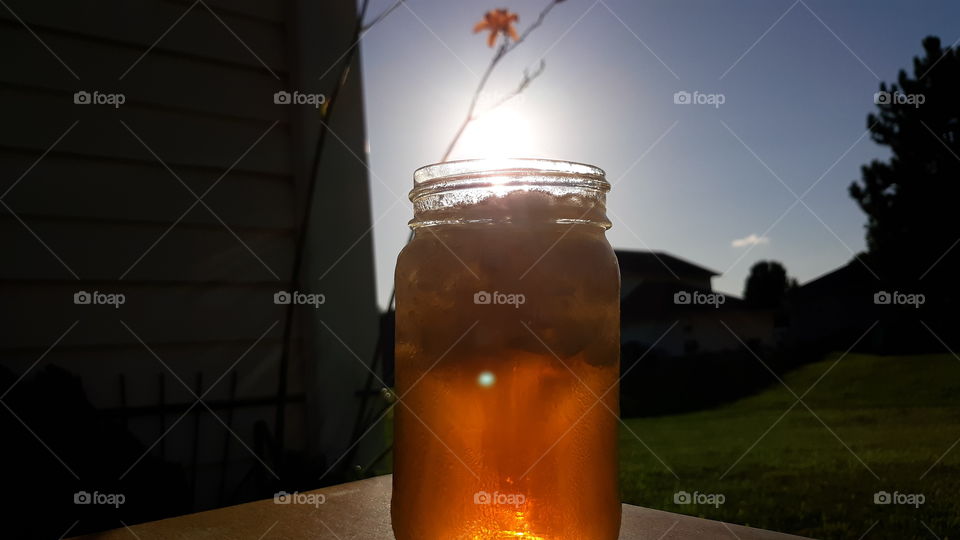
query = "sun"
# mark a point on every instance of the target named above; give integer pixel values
(498, 133)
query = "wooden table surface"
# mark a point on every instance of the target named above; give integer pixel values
(361, 511)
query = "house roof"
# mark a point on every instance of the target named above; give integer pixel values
(850, 279)
(659, 262)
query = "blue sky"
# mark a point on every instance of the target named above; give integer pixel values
(690, 179)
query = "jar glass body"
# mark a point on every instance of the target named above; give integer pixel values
(507, 356)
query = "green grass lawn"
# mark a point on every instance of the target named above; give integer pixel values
(899, 415)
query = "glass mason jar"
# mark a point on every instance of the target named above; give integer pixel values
(507, 355)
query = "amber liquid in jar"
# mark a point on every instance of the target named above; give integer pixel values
(507, 356)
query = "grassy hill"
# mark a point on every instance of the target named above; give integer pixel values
(898, 415)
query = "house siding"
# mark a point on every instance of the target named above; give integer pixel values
(103, 211)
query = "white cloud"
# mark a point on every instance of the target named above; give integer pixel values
(750, 240)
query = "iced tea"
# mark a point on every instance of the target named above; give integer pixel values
(507, 356)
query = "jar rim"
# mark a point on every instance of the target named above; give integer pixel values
(477, 172)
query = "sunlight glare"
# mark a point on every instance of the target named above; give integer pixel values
(499, 133)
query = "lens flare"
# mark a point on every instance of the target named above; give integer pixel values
(486, 379)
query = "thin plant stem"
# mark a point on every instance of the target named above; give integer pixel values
(503, 49)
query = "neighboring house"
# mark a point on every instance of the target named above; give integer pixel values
(835, 309)
(669, 303)
(850, 308)
(98, 197)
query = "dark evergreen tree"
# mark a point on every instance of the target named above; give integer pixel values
(911, 199)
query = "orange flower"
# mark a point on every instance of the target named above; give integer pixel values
(498, 21)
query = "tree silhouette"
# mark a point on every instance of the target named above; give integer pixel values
(910, 200)
(767, 284)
